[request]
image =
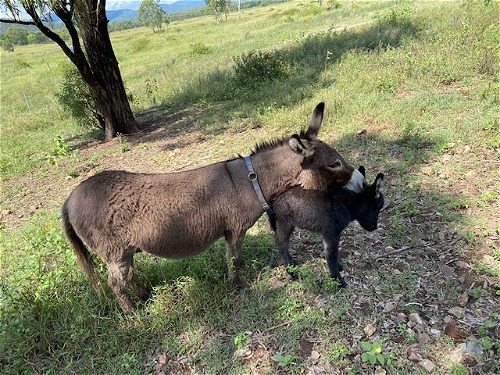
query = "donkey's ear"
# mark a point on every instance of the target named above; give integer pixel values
(361, 170)
(299, 148)
(316, 120)
(379, 184)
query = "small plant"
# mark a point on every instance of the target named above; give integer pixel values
(285, 360)
(138, 45)
(291, 308)
(373, 353)
(200, 48)
(240, 339)
(122, 146)
(257, 67)
(476, 293)
(151, 89)
(337, 352)
(482, 267)
(61, 149)
(330, 285)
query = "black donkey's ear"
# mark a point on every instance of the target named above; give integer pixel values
(379, 184)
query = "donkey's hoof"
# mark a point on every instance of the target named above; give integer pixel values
(240, 285)
(293, 275)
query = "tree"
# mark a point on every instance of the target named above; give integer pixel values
(219, 7)
(91, 52)
(16, 35)
(151, 14)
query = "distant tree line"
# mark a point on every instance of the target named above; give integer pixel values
(20, 35)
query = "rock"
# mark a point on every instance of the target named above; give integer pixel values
(434, 320)
(415, 357)
(461, 264)
(315, 356)
(413, 353)
(380, 371)
(462, 299)
(277, 284)
(243, 352)
(475, 348)
(462, 355)
(427, 365)
(423, 338)
(415, 318)
(389, 307)
(452, 330)
(400, 318)
(435, 332)
(457, 311)
(369, 329)
(426, 170)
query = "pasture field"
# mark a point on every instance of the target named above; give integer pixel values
(411, 90)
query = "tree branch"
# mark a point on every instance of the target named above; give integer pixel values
(19, 22)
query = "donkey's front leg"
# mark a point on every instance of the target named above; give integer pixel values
(233, 251)
(331, 245)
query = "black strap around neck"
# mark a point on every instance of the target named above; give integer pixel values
(252, 176)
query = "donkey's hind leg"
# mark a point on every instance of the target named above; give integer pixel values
(118, 271)
(331, 245)
(137, 287)
(282, 237)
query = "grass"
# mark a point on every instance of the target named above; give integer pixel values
(412, 91)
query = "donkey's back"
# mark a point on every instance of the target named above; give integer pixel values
(172, 215)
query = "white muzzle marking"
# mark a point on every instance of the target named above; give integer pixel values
(355, 184)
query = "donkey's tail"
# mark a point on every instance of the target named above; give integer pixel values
(83, 256)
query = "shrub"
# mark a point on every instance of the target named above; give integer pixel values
(257, 67)
(200, 48)
(7, 45)
(75, 97)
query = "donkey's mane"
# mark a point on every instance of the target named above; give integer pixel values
(269, 145)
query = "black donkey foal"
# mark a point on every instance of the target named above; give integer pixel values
(327, 213)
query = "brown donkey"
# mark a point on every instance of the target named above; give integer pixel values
(178, 215)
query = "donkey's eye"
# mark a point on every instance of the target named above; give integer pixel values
(336, 164)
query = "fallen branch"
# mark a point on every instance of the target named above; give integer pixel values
(404, 248)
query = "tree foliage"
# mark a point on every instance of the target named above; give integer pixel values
(151, 14)
(75, 97)
(90, 51)
(219, 8)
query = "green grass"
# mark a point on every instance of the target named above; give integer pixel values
(411, 91)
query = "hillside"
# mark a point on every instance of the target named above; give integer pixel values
(411, 90)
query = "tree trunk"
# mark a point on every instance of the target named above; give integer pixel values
(107, 86)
